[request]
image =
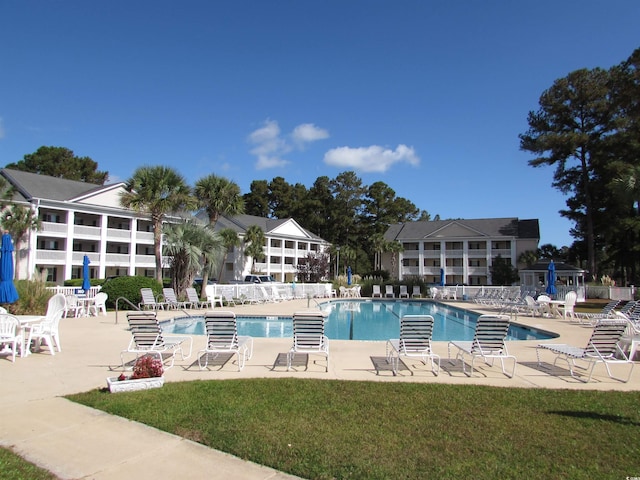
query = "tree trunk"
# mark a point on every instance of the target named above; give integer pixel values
(157, 245)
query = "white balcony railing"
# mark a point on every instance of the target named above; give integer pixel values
(49, 227)
(50, 255)
(78, 257)
(83, 231)
(117, 233)
(117, 258)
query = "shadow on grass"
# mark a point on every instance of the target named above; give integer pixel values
(596, 416)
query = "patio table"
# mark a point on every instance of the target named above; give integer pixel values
(26, 320)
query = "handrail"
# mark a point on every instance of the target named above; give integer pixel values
(126, 300)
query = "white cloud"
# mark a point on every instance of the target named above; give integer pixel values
(269, 146)
(308, 132)
(370, 159)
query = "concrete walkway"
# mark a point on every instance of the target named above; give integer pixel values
(75, 442)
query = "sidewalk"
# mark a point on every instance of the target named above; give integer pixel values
(76, 442)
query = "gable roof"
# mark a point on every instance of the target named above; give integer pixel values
(33, 185)
(489, 227)
(241, 223)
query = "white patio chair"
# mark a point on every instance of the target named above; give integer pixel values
(99, 304)
(222, 337)
(10, 336)
(308, 336)
(403, 292)
(602, 347)
(416, 293)
(74, 306)
(376, 292)
(388, 291)
(488, 343)
(47, 329)
(415, 341)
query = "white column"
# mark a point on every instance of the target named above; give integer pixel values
(68, 264)
(104, 221)
(421, 258)
(465, 261)
(133, 246)
(32, 247)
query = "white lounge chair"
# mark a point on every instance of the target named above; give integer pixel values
(222, 337)
(47, 329)
(403, 292)
(171, 299)
(488, 343)
(388, 291)
(149, 300)
(376, 292)
(147, 339)
(10, 336)
(414, 341)
(192, 295)
(308, 336)
(602, 347)
(416, 293)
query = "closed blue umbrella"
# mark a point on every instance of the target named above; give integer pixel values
(8, 292)
(442, 277)
(551, 279)
(348, 275)
(86, 284)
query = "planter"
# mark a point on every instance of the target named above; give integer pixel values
(116, 385)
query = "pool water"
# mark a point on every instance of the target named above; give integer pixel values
(363, 320)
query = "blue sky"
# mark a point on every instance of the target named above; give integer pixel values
(426, 96)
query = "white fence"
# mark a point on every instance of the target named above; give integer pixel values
(66, 291)
(261, 292)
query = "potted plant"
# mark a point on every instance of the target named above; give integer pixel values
(147, 373)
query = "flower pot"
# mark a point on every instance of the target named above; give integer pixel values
(116, 385)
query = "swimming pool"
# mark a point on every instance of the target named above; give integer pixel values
(363, 320)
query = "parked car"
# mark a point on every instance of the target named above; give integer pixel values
(258, 279)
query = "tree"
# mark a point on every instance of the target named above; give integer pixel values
(528, 258)
(257, 199)
(549, 251)
(394, 247)
(218, 196)
(569, 131)
(186, 244)
(502, 272)
(157, 192)
(19, 221)
(314, 267)
(229, 239)
(62, 163)
(254, 240)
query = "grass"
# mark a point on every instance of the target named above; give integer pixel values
(14, 467)
(325, 429)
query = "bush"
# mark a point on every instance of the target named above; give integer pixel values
(77, 282)
(33, 300)
(129, 288)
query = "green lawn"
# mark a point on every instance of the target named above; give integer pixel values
(378, 430)
(14, 467)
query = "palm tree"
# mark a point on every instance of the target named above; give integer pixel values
(19, 221)
(218, 196)
(394, 247)
(157, 191)
(187, 243)
(230, 239)
(254, 244)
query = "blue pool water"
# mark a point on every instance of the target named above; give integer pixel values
(363, 320)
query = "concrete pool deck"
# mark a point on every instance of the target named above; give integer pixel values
(76, 442)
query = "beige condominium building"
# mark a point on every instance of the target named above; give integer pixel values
(462, 250)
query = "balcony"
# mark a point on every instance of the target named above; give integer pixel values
(51, 255)
(83, 231)
(78, 257)
(477, 253)
(49, 227)
(431, 253)
(113, 233)
(144, 237)
(118, 259)
(504, 253)
(145, 261)
(411, 254)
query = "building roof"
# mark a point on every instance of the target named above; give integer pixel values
(241, 223)
(33, 185)
(485, 227)
(561, 268)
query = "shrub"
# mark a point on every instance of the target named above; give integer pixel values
(129, 288)
(77, 282)
(33, 300)
(147, 366)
